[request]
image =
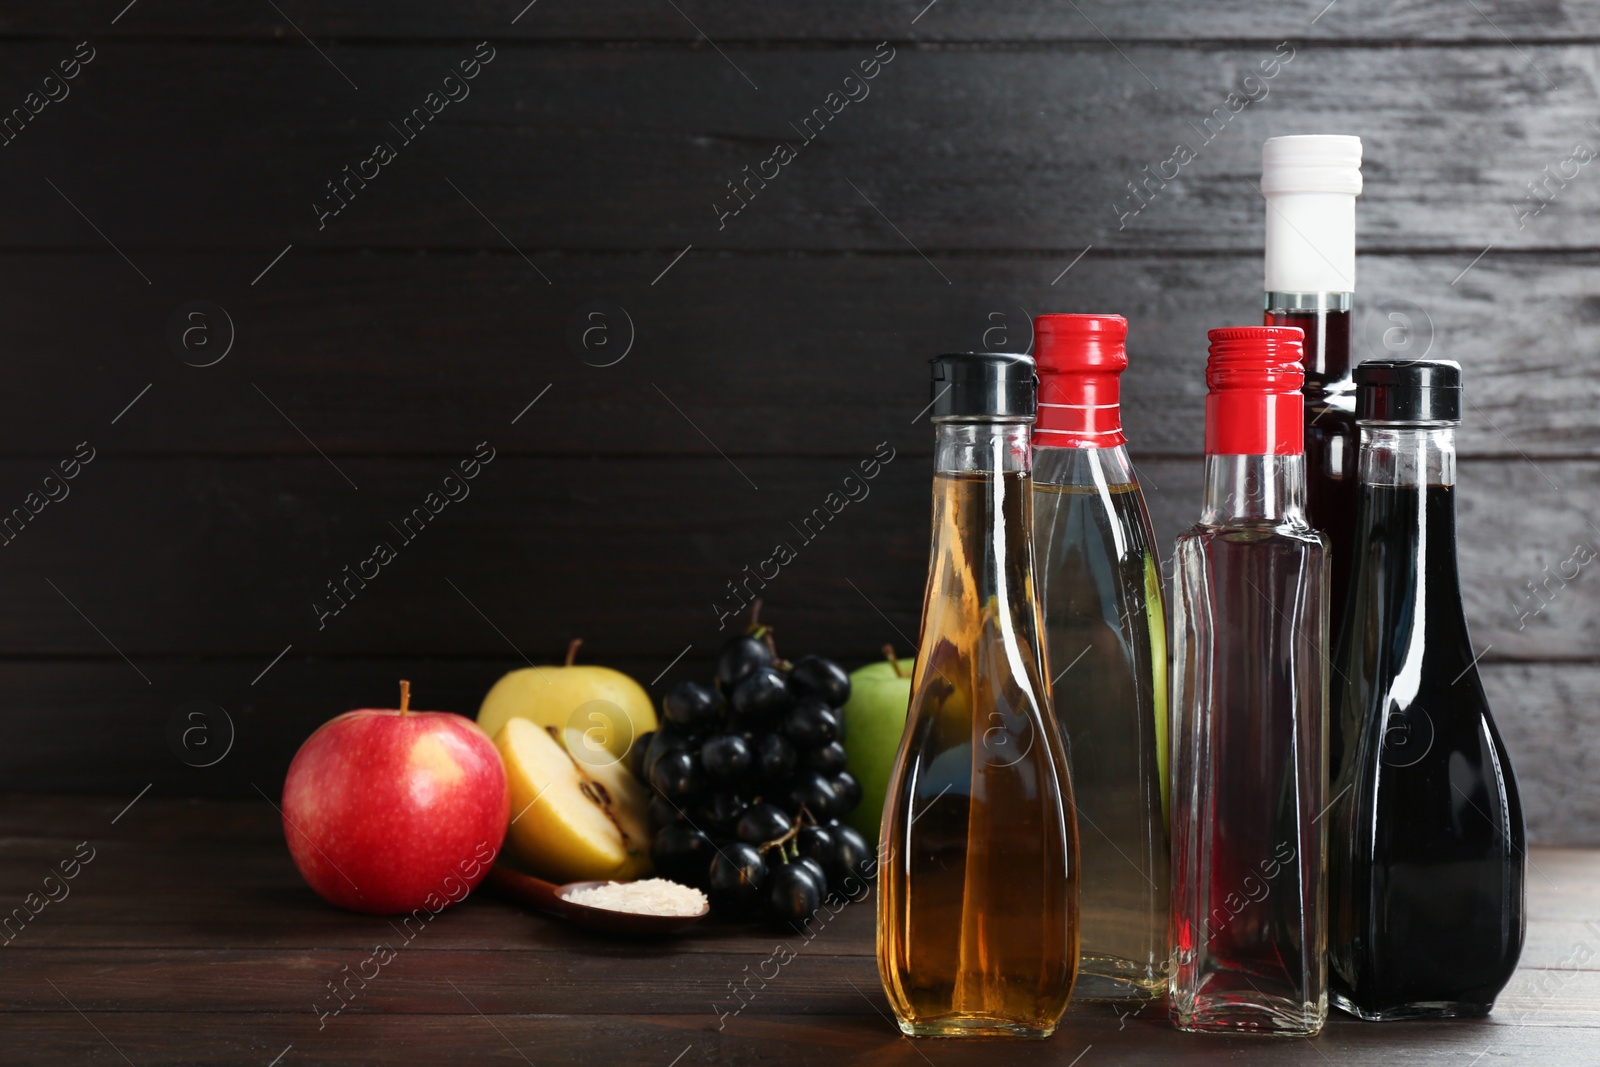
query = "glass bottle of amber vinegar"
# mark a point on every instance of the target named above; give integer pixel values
(978, 900)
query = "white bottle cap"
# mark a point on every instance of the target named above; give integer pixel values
(1311, 183)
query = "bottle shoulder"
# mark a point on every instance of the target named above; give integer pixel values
(1289, 536)
(1085, 468)
(1099, 518)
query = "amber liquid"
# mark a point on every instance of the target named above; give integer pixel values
(1106, 631)
(978, 909)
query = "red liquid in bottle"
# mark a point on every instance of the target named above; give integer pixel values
(1331, 440)
(1249, 711)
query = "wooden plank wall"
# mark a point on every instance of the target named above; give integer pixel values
(753, 350)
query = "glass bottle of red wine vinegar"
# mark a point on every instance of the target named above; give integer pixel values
(1249, 896)
(1310, 183)
(978, 884)
(1106, 640)
(1427, 853)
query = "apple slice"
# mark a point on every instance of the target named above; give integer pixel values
(569, 822)
(628, 804)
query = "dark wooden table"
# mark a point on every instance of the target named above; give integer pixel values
(188, 938)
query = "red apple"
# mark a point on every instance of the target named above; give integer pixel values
(388, 811)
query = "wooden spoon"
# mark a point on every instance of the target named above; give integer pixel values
(547, 896)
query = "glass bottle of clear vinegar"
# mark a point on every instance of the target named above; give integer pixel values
(978, 902)
(1105, 630)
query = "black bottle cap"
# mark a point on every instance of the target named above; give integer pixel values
(1408, 390)
(984, 385)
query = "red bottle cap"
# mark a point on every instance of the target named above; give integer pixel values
(1255, 407)
(1081, 359)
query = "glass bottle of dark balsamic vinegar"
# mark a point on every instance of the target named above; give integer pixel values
(1428, 850)
(1311, 183)
(978, 890)
(1106, 638)
(1249, 896)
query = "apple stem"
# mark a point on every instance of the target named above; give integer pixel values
(405, 696)
(894, 661)
(572, 650)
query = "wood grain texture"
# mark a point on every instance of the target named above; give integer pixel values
(161, 991)
(357, 1040)
(728, 20)
(753, 355)
(234, 557)
(789, 341)
(692, 985)
(142, 891)
(566, 983)
(953, 151)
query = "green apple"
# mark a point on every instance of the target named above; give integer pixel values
(600, 712)
(874, 719)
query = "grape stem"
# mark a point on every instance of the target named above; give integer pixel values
(802, 820)
(777, 660)
(763, 633)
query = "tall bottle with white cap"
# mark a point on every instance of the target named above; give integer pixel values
(1311, 183)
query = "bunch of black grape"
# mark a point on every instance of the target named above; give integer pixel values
(750, 784)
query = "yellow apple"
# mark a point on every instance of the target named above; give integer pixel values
(605, 708)
(570, 822)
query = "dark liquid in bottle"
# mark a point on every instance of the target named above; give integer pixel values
(1427, 853)
(1331, 439)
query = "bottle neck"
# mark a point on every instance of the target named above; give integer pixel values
(1079, 409)
(969, 447)
(1407, 456)
(1251, 490)
(1406, 566)
(1325, 319)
